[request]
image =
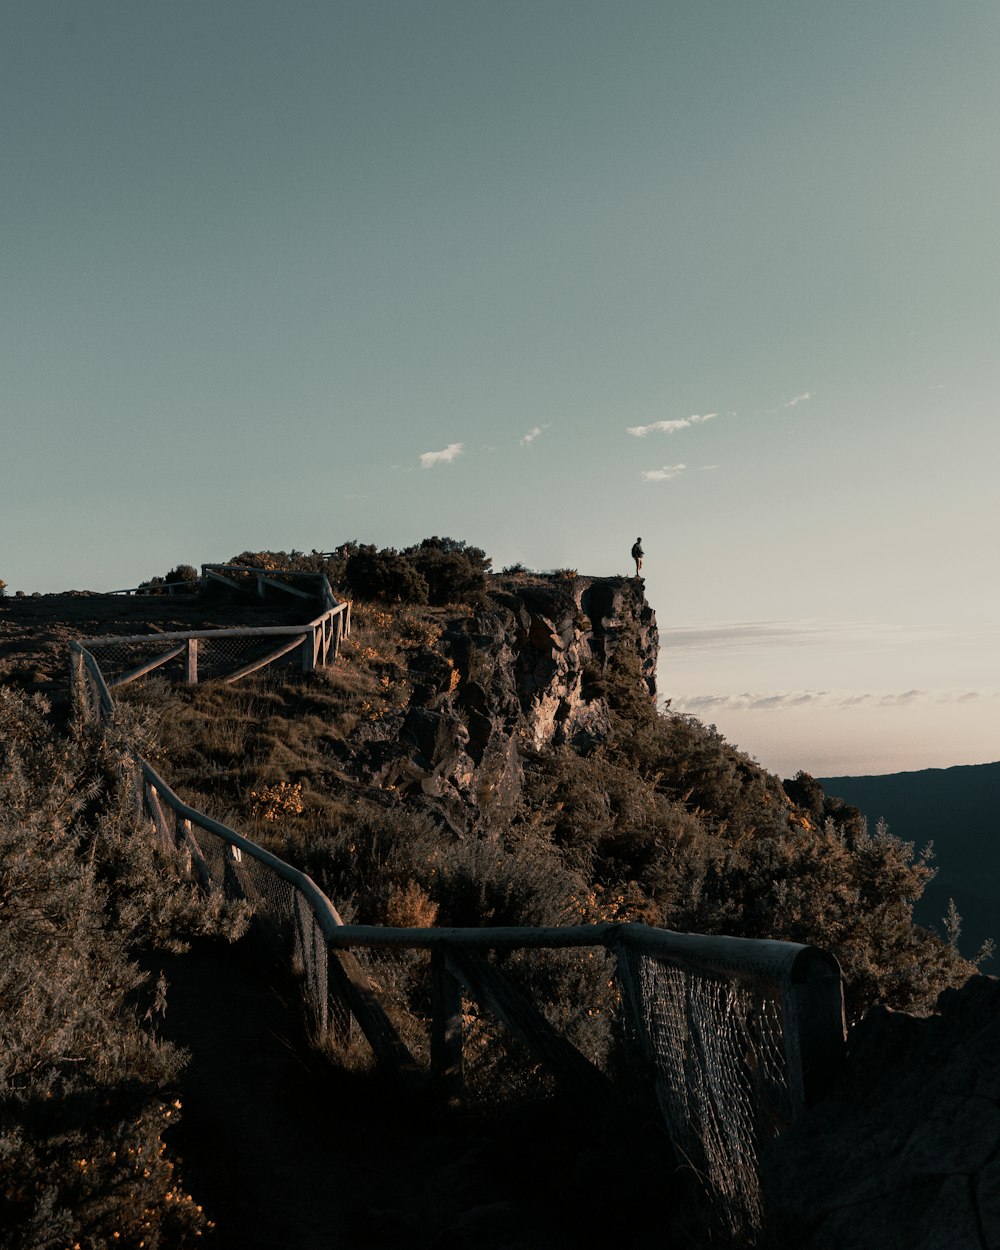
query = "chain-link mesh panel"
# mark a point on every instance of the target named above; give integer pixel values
(221, 657)
(717, 1052)
(282, 915)
(212, 658)
(118, 659)
(571, 996)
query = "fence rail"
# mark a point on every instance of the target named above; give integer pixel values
(227, 654)
(734, 1036)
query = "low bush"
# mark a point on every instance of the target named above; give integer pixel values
(385, 574)
(83, 1107)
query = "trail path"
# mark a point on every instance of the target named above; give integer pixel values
(283, 1152)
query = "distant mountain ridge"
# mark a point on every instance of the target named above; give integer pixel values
(958, 809)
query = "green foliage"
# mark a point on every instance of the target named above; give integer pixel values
(376, 853)
(691, 833)
(807, 794)
(454, 571)
(385, 574)
(437, 571)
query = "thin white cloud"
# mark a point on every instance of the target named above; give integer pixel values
(798, 399)
(431, 458)
(749, 701)
(859, 638)
(662, 475)
(670, 427)
(532, 435)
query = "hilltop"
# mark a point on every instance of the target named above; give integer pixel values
(492, 742)
(486, 750)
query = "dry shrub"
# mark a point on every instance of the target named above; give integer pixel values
(410, 907)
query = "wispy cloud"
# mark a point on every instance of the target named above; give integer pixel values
(532, 435)
(855, 636)
(662, 475)
(750, 701)
(798, 399)
(431, 458)
(670, 427)
(842, 637)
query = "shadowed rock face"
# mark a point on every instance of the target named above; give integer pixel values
(904, 1153)
(525, 671)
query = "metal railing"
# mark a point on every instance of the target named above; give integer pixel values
(733, 1036)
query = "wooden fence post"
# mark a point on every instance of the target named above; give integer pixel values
(191, 662)
(446, 1027)
(815, 1032)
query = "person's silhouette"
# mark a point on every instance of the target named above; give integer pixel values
(637, 554)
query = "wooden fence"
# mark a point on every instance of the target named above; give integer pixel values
(318, 640)
(735, 1036)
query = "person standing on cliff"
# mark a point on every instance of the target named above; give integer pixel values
(637, 554)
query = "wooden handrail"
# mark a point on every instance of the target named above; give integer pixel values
(807, 980)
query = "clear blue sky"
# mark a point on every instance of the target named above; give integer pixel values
(263, 263)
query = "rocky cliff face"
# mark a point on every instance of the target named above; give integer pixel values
(526, 672)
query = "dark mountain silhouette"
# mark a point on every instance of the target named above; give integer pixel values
(957, 810)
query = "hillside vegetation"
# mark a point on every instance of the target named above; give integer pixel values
(84, 1080)
(659, 819)
(950, 807)
(430, 776)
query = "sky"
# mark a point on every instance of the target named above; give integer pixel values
(543, 276)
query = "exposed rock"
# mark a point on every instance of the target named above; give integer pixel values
(904, 1153)
(525, 670)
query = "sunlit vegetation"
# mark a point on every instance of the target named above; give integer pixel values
(664, 822)
(659, 821)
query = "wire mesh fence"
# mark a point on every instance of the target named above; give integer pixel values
(717, 1051)
(727, 1036)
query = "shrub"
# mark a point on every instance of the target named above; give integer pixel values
(374, 574)
(82, 1107)
(454, 571)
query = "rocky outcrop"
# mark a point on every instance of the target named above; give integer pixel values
(904, 1153)
(527, 671)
